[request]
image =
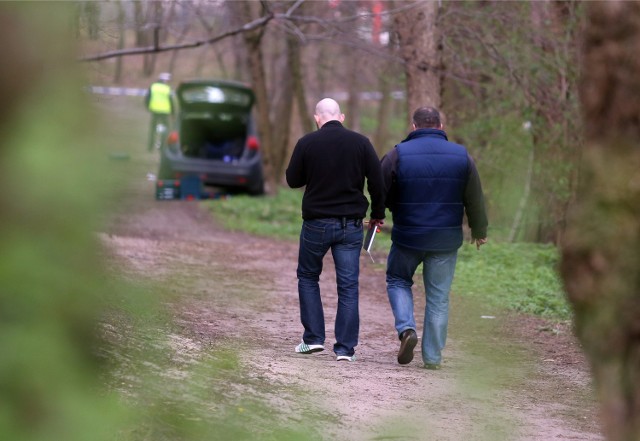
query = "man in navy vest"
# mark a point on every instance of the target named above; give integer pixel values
(430, 183)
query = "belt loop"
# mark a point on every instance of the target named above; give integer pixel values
(344, 223)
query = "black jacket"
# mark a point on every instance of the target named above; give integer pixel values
(333, 163)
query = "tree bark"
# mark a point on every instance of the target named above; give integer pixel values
(381, 137)
(600, 257)
(117, 76)
(155, 31)
(283, 107)
(306, 120)
(253, 41)
(92, 10)
(421, 49)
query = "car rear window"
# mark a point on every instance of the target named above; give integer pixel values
(215, 94)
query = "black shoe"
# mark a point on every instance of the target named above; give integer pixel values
(408, 341)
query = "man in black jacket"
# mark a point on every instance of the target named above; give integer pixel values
(333, 163)
(430, 183)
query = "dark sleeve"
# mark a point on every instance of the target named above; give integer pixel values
(375, 184)
(474, 203)
(295, 170)
(389, 165)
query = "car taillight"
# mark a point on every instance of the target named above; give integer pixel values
(252, 143)
(173, 138)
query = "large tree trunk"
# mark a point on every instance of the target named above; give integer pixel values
(253, 40)
(421, 49)
(601, 255)
(304, 115)
(283, 108)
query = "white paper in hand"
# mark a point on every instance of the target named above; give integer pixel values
(368, 240)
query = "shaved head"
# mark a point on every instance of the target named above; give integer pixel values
(327, 109)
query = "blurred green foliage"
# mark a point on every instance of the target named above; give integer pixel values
(85, 350)
(50, 269)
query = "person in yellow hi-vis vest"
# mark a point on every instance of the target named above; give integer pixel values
(159, 101)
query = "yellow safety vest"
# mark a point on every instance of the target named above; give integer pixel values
(160, 100)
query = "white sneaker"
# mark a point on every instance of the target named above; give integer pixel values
(346, 357)
(304, 348)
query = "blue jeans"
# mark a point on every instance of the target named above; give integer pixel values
(437, 273)
(344, 240)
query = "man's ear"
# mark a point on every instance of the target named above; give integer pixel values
(413, 126)
(341, 117)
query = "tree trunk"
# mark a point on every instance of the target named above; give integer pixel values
(306, 120)
(155, 36)
(117, 76)
(283, 110)
(600, 257)
(421, 49)
(174, 55)
(381, 137)
(352, 113)
(92, 10)
(253, 41)
(139, 19)
(524, 199)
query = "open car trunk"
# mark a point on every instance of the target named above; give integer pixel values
(214, 119)
(221, 136)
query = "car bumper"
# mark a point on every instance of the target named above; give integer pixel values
(244, 173)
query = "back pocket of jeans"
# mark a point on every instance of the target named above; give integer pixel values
(313, 234)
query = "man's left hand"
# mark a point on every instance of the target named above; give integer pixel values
(479, 242)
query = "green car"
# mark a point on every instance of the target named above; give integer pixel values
(215, 137)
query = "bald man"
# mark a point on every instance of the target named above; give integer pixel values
(332, 164)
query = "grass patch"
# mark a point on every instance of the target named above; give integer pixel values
(277, 216)
(518, 276)
(521, 277)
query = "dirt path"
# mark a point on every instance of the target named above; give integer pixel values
(503, 379)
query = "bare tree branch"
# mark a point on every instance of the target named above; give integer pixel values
(288, 16)
(262, 21)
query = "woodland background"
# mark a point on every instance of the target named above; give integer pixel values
(545, 94)
(503, 73)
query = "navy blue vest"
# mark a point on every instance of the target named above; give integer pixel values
(432, 174)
